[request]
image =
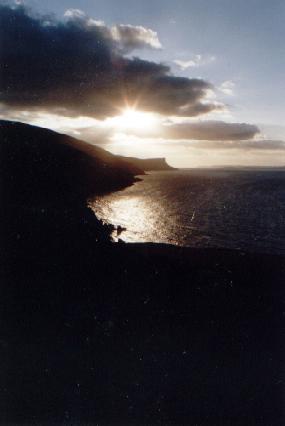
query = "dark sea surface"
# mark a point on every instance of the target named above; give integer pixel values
(240, 209)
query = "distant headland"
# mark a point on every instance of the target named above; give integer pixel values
(149, 164)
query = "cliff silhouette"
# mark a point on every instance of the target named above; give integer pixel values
(95, 332)
(38, 163)
(149, 164)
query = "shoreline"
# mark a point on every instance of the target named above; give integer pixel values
(162, 334)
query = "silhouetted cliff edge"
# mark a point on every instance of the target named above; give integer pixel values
(94, 332)
(149, 164)
(39, 164)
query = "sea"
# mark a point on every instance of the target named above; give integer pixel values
(240, 209)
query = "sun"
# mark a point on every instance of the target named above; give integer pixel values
(131, 119)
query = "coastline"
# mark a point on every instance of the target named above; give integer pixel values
(161, 334)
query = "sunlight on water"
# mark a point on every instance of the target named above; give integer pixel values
(143, 217)
(142, 209)
(238, 210)
(132, 213)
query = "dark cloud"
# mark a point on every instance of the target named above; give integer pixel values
(76, 67)
(212, 130)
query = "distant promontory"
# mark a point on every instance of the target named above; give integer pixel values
(149, 164)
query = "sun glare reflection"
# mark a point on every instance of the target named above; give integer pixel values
(140, 209)
(127, 212)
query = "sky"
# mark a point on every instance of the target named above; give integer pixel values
(198, 82)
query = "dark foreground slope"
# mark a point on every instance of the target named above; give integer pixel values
(133, 334)
(140, 334)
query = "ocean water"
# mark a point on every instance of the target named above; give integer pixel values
(241, 209)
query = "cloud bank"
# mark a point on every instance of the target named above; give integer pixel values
(77, 67)
(212, 130)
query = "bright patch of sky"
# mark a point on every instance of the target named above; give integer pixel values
(238, 46)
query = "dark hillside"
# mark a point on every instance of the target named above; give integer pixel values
(98, 333)
(39, 164)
